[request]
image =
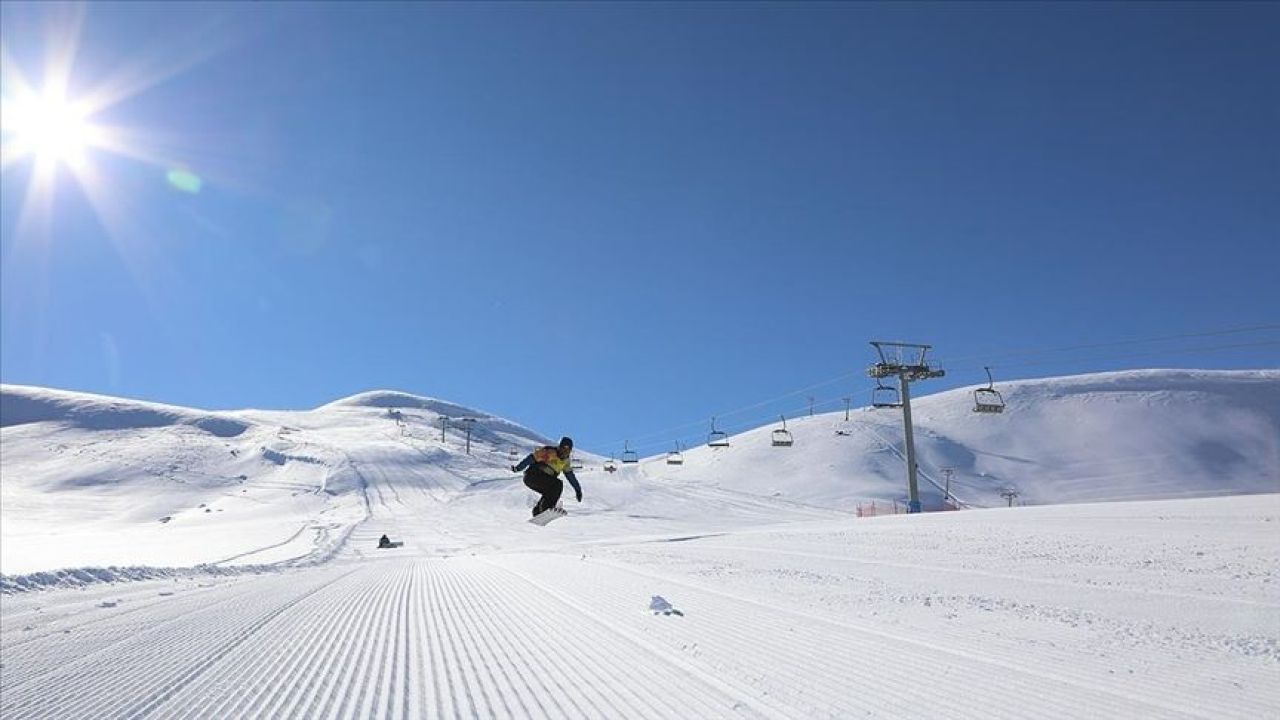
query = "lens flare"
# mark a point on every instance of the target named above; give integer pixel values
(184, 180)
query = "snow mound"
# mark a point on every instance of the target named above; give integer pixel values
(488, 428)
(393, 399)
(114, 574)
(22, 405)
(79, 577)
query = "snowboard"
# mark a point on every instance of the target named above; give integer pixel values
(547, 516)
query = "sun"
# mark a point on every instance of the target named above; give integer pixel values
(48, 127)
(69, 138)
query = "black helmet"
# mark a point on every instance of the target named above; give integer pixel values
(566, 442)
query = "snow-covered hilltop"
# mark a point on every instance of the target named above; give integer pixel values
(90, 480)
(21, 405)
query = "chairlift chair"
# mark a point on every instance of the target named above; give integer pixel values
(988, 399)
(610, 466)
(575, 464)
(885, 396)
(628, 455)
(782, 436)
(675, 457)
(717, 438)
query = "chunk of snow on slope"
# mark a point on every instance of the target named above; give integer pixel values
(659, 605)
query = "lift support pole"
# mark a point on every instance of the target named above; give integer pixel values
(913, 490)
(906, 372)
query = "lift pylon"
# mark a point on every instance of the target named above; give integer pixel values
(907, 362)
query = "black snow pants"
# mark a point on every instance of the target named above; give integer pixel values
(547, 485)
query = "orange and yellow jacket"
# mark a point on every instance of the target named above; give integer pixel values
(546, 460)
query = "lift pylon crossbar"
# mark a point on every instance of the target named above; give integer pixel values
(892, 363)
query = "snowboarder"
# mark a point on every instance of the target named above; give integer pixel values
(542, 468)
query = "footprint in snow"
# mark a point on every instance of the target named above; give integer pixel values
(659, 606)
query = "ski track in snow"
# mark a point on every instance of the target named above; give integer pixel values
(395, 639)
(568, 634)
(829, 659)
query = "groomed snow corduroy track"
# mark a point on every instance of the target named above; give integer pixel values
(812, 620)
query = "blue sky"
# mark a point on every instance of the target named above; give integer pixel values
(608, 220)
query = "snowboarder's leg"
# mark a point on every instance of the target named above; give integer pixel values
(545, 485)
(551, 497)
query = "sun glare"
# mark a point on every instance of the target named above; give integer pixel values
(49, 128)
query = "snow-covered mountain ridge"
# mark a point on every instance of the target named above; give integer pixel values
(1110, 436)
(88, 480)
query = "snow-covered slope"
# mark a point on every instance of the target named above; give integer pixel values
(1125, 435)
(735, 585)
(1165, 609)
(89, 480)
(26, 405)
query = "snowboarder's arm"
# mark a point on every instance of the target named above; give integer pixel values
(573, 480)
(526, 462)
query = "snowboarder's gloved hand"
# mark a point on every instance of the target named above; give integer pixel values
(513, 469)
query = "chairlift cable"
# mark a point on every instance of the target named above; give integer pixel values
(752, 422)
(667, 432)
(699, 423)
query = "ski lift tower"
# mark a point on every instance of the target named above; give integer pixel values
(468, 422)
(905, 361)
